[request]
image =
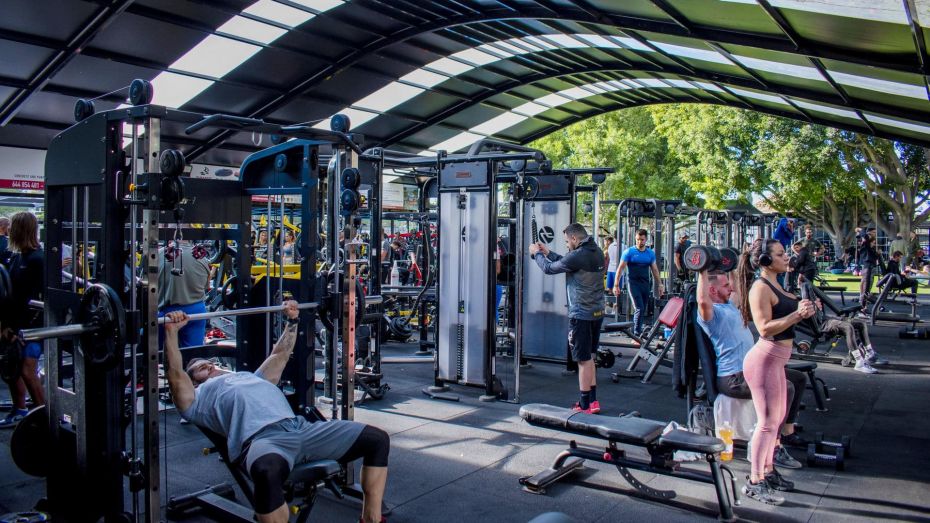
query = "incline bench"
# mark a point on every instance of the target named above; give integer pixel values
(635, 432)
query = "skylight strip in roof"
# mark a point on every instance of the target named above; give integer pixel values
(388, 97)
(692, 52)
(759, 96)
(319, 5)
(530, 109)
(797, 71)
(536, 41)
(215, 56)
(277, 12)
(600, 41)
(636, 45)
(457, 142)
(450, 66)
(475, 57)
(251, 30)
(424, 78)
(878, 10)
(900, 124)
(835, 111)
(882, 86)
(175, 90)
(499, 123)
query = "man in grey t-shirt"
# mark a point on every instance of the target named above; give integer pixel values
(263, 434)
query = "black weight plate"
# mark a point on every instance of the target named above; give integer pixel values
(530, 188)
(351, 178)
(171, 162)
(696, 258)
(729, 257)
(103, 346)
(31, 443)
(83, 109)
(349, 202)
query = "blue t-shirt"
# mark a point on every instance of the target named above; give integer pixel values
(731, 339)
(639, 264)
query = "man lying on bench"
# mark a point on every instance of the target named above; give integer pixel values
(262, 433)
(632, 431)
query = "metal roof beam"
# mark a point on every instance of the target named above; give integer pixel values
(674, 14)
(89, 29)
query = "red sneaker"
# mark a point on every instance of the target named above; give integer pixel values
(595, 407)
(577, 408)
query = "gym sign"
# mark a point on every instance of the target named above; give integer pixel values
(546, 235)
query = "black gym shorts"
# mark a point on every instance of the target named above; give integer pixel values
(583, 337)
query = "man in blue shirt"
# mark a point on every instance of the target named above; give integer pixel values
(732, 340)
(641, 261)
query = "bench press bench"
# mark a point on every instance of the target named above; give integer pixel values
(633, 431)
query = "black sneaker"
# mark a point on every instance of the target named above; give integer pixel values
(794, 440)
(762, 493)
(778, 482)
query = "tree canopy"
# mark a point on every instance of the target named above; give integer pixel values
(710, 155)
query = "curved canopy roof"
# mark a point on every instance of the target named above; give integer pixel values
(429, 75)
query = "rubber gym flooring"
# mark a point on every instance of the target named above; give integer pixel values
(460, 461)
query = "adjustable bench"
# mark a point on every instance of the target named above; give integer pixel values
(218, 502)
(635, 432)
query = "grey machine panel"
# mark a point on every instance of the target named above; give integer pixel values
(465, 259)
(545, 299)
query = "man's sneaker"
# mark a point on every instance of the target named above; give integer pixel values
(13, 418)
(785, 460)
(577, 408)
(794, 440)
(595, 407)
(762, 492)
(864, 367)
(778, 482)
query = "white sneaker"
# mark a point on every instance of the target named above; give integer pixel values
(864, 367)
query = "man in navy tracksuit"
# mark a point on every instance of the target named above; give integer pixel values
(641, 260)
(583, 266)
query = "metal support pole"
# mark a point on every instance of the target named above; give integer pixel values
(152, 447)
(268, 260)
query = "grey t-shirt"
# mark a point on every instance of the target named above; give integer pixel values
(184, 289)
(237, 405)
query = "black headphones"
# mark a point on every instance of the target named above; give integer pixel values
(765, 259)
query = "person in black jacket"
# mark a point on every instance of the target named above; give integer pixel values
(27, 274)
(868, 262)
(894, 267)
(583, 266)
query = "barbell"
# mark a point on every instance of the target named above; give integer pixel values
(101, 325)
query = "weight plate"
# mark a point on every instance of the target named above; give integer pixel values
(349, 202)
(171, 162)
(530, 188)
(101, 308)
(31, 443)
(351, 178)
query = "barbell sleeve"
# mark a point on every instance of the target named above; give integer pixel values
(36, 304)
(60, 331)
(239, 312)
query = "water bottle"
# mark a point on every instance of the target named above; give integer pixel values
(395, 276)
(726, 434)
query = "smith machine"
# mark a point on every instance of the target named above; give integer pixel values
(100, 341)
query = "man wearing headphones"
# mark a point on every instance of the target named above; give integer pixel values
(183, 280)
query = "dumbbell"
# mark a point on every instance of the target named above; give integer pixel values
(815, 458)
(604, 359)
(823, 445)
(707, 258)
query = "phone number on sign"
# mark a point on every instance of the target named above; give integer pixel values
(22, 184)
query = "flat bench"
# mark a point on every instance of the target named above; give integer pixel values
(633, 431)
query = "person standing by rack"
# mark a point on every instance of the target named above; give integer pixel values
(641, 261)
(27, 275)
(183, 280)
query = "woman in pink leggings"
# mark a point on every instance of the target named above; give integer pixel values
(774, 313)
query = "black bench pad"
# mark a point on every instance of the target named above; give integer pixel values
(617, 326)
(314, 471)
(804, 366)
(633, 431)
(689, 441)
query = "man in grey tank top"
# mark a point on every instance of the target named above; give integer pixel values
(263, 434)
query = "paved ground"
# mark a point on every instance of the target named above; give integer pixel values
(460, 461)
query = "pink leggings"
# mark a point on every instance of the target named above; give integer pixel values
(764, 370)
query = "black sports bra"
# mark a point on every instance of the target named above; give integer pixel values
(785, 306)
